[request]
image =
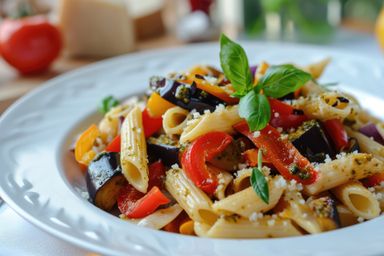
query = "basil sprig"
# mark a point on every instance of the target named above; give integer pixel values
(258, 181)
(277, 82)
(107, 103)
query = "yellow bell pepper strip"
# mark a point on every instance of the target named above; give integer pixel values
(157, 106)
(83, 148)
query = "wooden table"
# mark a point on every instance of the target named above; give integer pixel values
(13, 86)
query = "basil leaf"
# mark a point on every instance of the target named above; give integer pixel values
(260, 185)
(234, 63)
(281, 80)
(107, 103)
(255, 109)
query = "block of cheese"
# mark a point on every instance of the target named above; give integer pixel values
(96, 28)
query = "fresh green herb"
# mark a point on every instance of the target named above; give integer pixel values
(234, 63)
(254, 107)
(258, 181)
(281, 80)
(277, 82)
(107, 103)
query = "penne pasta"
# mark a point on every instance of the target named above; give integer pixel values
(235, 227)
(359, 200)
(225, 178)
(367, 144)
(133, 155)
(300, 213)
(220, 120)
(195, 202)
(159, 218)
(242, 180)
(346, 217)
(327, 105)
(174, 120)
(351, 167)
(246, 202)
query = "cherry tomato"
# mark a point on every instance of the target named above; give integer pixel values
(374, 180)
(336, 131)
(284, 115)
(29, 44)
(194, 159)
(281, 153)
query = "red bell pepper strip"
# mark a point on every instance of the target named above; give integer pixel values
(336, 131)
(374, 180)
(114, 146)
(251, 157)
(194, 159)
(132, 205)
(282, 154)
(135, 204)
(151, 124)
(156, 174)
(284, 115)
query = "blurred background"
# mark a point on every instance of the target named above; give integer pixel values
(90, 30)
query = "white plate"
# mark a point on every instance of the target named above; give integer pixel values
(40, 181)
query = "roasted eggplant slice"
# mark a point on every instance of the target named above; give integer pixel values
(229, 159)
(105, 179)
(184, 95)
(312, 142)
(163, 148)
(326, 212)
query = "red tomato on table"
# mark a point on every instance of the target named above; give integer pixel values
(29, 44)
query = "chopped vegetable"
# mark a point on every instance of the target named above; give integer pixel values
(251, 157)
(133, 205)
(336, 131)
(282, 154)
(194, 159)
(157, 106)
(186, 96)
(374, 180)
(371, 131)
(151, 124)
(159, 149)
(115, 145)
(107, 103)
(104, 180)
(284, 115)
(83, 147)
(312, 142)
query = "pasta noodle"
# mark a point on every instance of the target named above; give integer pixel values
(340, 171)
(234, 227)
(246, 202)
(134, 151)
(194, 201)
(174, 120)
(220, 120)
(242, 180)
(158, 219)
(225, 179)
(368, 145)
(358, 199)
(327, 105)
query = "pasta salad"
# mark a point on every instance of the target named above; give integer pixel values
(247, 152)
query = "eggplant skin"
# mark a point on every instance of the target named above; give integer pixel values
(105, 179)
(312, 142)
(184, 95)
(168, 154)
